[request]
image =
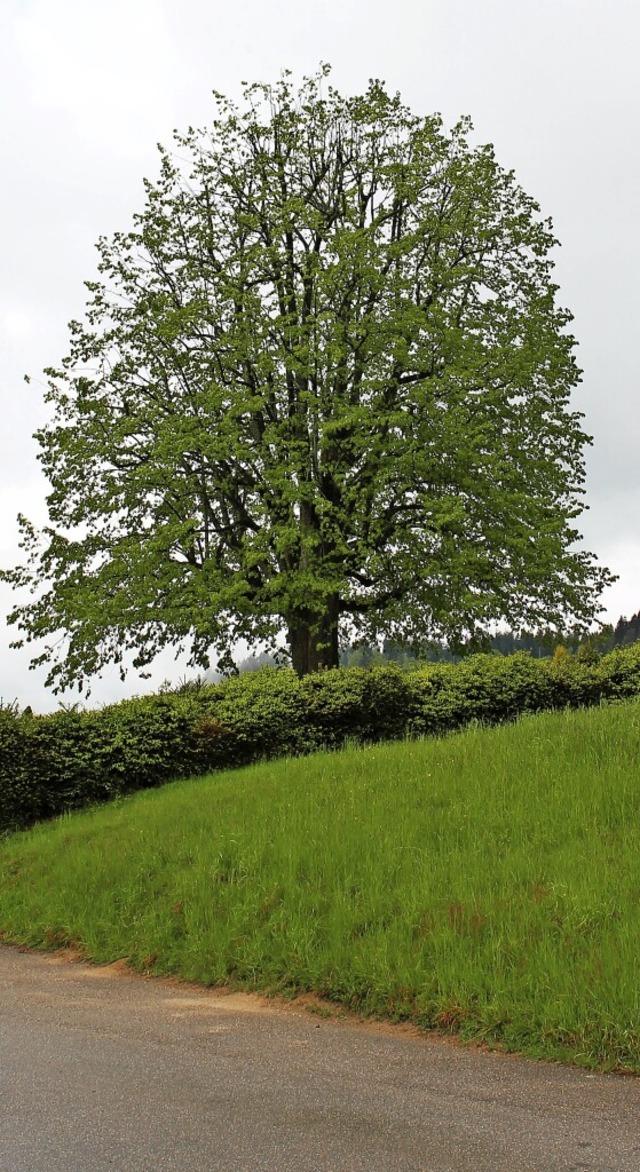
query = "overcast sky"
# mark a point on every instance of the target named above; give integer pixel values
(89, 87)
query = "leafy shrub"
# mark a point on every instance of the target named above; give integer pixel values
(487, 688)
(49, 764)
(367, 704)
(19, 797)
(264, 714)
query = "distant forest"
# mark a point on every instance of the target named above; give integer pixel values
(541, 645)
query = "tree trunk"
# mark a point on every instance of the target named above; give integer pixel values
(313, 639)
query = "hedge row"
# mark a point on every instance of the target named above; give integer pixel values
(51, 764)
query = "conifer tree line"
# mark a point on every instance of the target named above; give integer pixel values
(541, 645)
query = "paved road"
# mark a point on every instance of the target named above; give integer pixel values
(103, 1070)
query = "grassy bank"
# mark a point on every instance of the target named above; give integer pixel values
(487, 883)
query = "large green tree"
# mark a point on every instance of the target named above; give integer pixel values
(322, 384)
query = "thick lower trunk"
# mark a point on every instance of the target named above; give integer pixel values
(313, 639)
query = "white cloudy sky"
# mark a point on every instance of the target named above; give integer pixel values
(88, 87)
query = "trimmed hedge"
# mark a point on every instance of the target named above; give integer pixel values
(51, 764)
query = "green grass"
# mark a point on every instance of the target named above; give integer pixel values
(487, 883)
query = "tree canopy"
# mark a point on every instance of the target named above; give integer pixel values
(321, 387)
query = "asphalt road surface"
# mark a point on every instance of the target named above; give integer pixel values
(103, 1070)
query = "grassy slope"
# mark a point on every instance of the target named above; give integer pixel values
(487, 883)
